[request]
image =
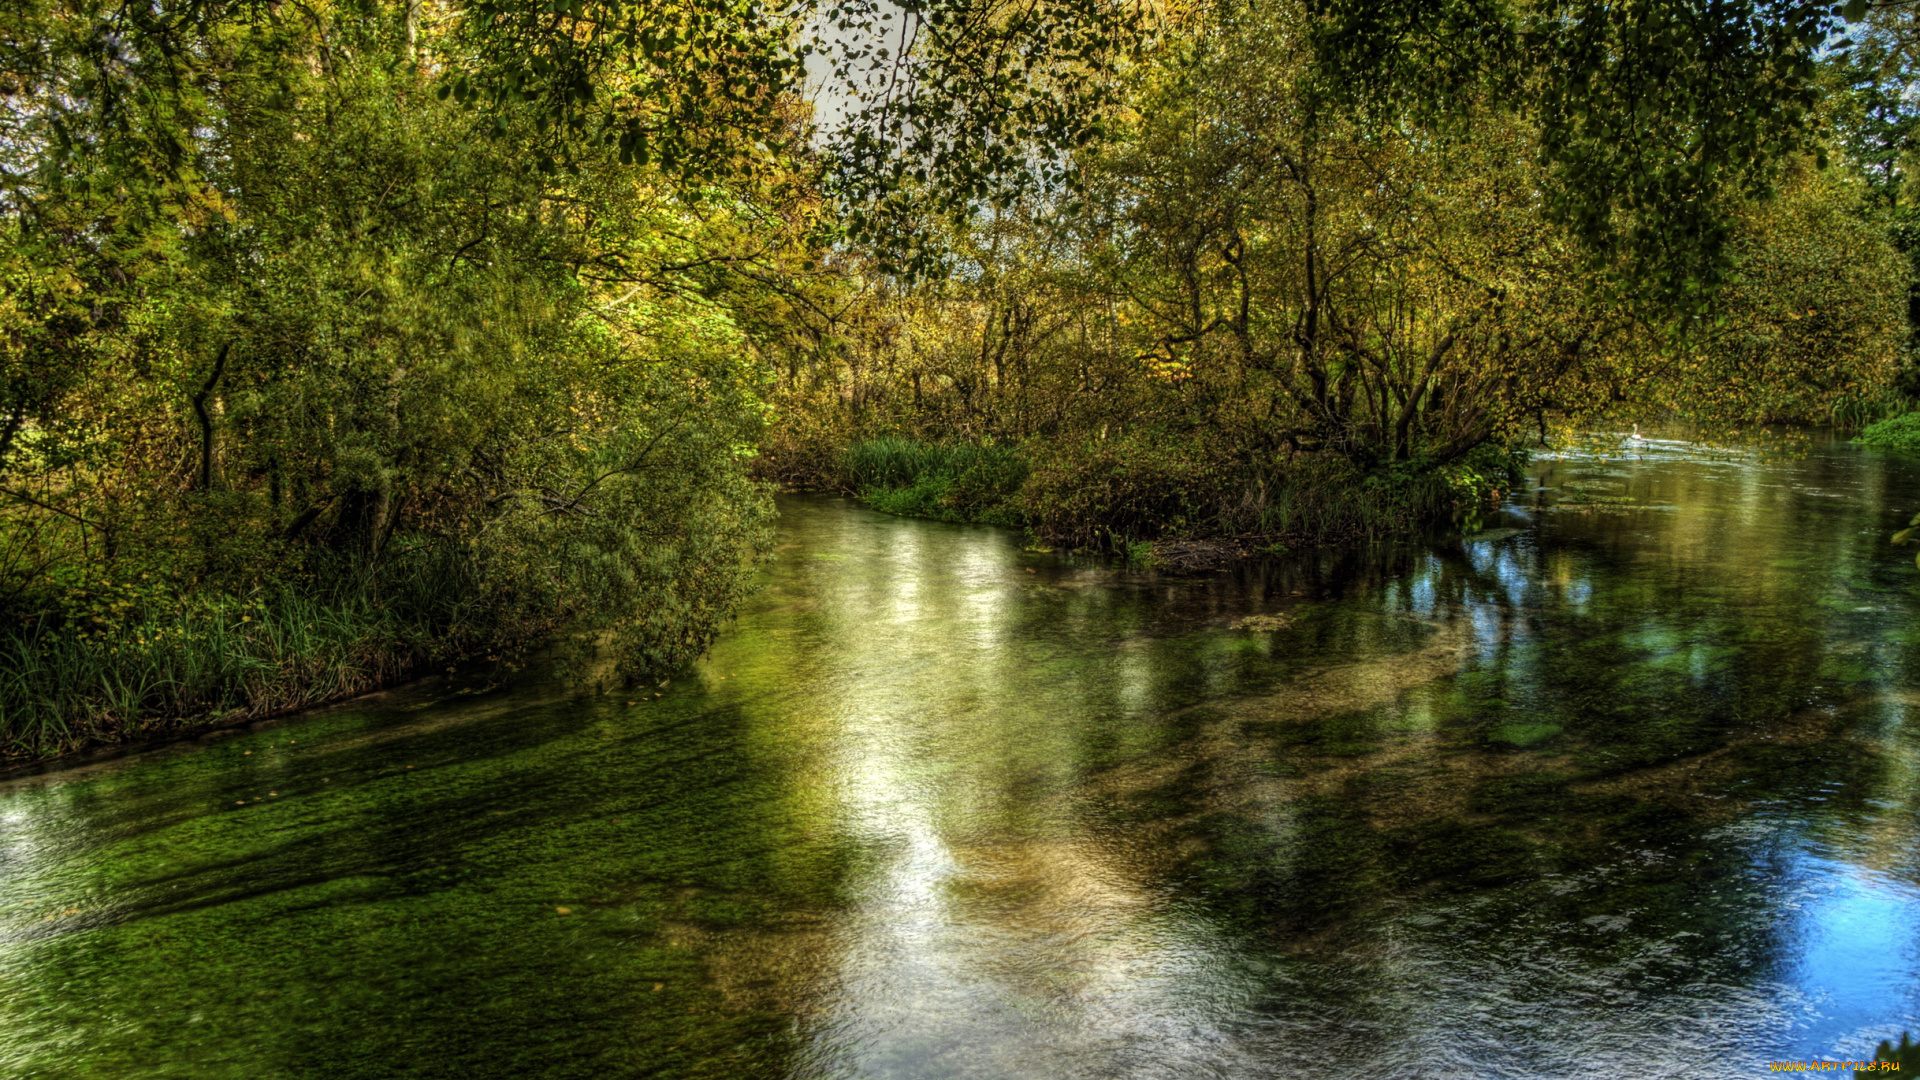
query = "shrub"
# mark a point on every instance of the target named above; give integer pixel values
(1900, 432)
(1143, 486)
(944, 481)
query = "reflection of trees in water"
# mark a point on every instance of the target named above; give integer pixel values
(1617, 682)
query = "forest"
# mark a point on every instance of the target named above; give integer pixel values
(347, 340)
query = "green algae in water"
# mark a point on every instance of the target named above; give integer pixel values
(1525, 734)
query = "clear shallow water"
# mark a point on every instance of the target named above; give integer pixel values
(1627, 786)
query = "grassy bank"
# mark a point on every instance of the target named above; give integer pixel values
(944, 481)
(104, 661)
(1124, 495)
(98, 658)
(64, 687)
(1900, 432)
(160, 638)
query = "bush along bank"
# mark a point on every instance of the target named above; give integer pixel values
(124, 653)
(1149, 497)
(1900, 432)
(107, 668)
(326, 415)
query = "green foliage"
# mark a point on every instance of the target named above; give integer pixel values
(1284, 305)
(987, 103)
(1814, 327)
(893, 461)
(367, 365)
(290, 302)
(104, 668)
(1905, 1058)
(945, 481)
(1902, 432)
(1622, 97)
(1136, 552)
(1142, 486)
(1123, 494)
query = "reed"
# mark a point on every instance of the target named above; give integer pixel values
(68, 682)
(949, 481)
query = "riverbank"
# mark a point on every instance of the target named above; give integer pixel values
(1182, 504)
(120, 662)
(163, 634)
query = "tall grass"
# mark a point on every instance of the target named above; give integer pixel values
(1142, 487)
(893, 461)
(945, 481)
(67, 682)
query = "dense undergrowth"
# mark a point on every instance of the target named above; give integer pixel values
(143, 645)
(1123, 494)
(1902, 432)
(344, 404)
(107, 659)
(63, 686)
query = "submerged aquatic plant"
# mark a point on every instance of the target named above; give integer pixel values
(1904, 535)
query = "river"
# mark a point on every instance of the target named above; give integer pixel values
(1626, 784)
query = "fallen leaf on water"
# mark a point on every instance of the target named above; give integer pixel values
(564, 910)
(657, 987)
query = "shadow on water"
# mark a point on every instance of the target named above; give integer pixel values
(1623, 786)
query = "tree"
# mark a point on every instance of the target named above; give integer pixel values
(1262, 280)
(302, 330)
(1320, 284)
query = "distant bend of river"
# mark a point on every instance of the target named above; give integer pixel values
(1625, 786)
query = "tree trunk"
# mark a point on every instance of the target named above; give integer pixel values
(206, 418)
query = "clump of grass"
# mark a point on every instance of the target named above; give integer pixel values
(892, 461)
(1900, 432)
(62, 687)
(70, 677)
(1123, 494)
(944, 481)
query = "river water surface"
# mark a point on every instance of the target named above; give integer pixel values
(1628, 786)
